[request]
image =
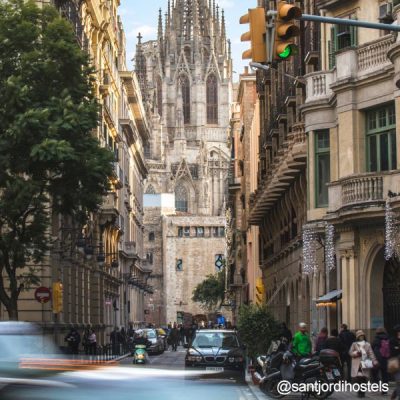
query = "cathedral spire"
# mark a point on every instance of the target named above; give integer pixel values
(223, 27)
(160, 26)
(140, 67)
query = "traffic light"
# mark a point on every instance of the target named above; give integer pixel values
(260, 290)
(57, 297)
(286, 30)
(256, 35)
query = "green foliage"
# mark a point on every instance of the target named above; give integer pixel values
(256, 327)
(50, 161)
(210, 293)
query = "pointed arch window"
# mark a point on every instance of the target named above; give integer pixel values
(150, 190)
(181, 198)
(185, 88)
(159, 97)
(212, 99)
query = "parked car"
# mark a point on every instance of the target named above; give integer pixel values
(161, 332)
(157, 343)
(217, 351)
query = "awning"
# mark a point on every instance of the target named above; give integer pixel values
(330, 297)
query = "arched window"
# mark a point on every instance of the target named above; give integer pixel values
(151, 236)
(185, 88)
(212, 99)
(159, 97)
(181, 198)
(150, 190)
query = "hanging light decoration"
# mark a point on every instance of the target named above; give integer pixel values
(330, 247)
(309, 250)
(392, 247)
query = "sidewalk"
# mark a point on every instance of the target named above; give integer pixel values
(259, 395)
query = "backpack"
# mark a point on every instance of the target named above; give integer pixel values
(385, 348)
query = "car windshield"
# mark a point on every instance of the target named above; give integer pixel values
(215, 339)
(151, 334)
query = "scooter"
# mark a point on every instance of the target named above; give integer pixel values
(140, 354)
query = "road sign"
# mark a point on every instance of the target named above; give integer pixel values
(43, 295)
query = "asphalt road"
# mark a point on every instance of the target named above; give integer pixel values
(164, 377)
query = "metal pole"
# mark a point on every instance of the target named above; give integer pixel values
(343, 21)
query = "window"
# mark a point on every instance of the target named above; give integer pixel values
(181, 198)
(381, 139)
(212, 99)
(179, 264)
(218, 231)
(151, 236)
(342, 36)
(200, 231)
(147, 150)
(185, 88)
(150, 190)
(186, 231)
(322, 167)
(159, 97)
(180, 231)
(149, 257)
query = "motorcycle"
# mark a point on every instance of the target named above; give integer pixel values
(140, 354)
(324, 368)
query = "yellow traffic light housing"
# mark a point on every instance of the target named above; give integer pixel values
(286, 30)
(256, 35)
(57, 297)
(260, 290)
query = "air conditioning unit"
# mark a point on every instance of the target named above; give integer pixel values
(385, 11)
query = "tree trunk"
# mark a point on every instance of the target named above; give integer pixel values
(12, 309)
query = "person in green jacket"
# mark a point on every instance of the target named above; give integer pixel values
(301, 345)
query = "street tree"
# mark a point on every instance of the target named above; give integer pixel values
(210, 293)
(50, 161)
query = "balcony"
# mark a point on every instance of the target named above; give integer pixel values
(118, 176)
(109, 209)
(318, 86)
(362, 190)
(288, 165)
(128, 249)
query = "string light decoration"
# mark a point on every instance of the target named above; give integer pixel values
(392, 245)
(309, 250)
(330, 247)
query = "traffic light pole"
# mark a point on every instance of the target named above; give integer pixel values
(342, 21)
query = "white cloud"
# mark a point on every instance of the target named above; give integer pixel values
(147, 31)
(226, 3)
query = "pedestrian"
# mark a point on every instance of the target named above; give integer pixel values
(182, 334)
(174, 335)
(347, 338)
(73, 339)
(321, 340)
(395, 352)
(334, 343)
(381, 348)
(301, 346)
(92, 343)
(116, 339)
(363, 360)
(85, 340)
(286, 332)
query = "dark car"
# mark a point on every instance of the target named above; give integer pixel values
(217, 351)
(157, 343)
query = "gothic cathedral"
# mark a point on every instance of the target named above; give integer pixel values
(186, 80)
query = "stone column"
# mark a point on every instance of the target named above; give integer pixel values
(350, 306)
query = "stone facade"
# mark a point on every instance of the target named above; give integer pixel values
(186, 77)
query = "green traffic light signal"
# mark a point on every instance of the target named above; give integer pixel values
(288, 51)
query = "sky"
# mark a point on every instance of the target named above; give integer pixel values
(142, 16)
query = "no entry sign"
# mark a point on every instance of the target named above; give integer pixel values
(42, 294)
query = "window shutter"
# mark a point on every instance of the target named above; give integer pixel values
(354, 36)
(332, 46)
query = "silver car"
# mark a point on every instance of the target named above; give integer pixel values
(157, 344)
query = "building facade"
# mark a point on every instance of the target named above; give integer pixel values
(186, 77)
(328, 181)
(100, 264)
(243, 265)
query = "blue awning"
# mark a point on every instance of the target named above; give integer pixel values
(331, 296)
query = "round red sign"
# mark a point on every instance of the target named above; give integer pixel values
(42, 294)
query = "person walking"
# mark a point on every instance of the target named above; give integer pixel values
(395, 352)
(381, 348)
(301, 346)
(174, 335)
(73, 339)
(320, 343)
(347, 338)
(116, 340)
(333, 342)
(182, 334)
(85, 340)
(363, 360)
(92, 343)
